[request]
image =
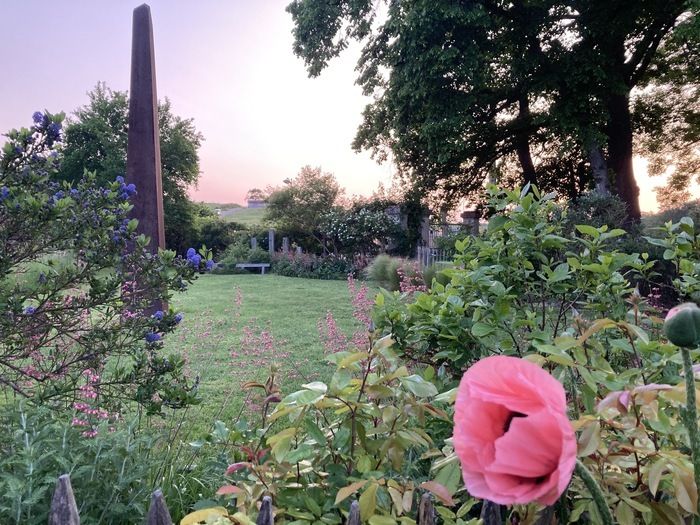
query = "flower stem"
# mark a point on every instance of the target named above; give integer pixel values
(691, 418)
(596, 493)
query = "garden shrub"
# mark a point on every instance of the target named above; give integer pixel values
(396, 273)
(375, 430)
(78, 286)
(519, 283)
(310, 266)
(595, 210)
(241, 252)
(362, 229)
(437, 271)
(570, 305)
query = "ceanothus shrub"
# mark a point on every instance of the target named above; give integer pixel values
(78, 286)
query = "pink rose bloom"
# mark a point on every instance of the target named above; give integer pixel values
(512, 434)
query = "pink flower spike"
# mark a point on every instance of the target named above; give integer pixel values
(512, 434)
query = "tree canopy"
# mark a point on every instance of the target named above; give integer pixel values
(303, 201)
(96, 141)
(539, 91)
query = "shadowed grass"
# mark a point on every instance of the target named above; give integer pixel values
(213, 329)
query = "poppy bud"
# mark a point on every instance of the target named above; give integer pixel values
(682, 325)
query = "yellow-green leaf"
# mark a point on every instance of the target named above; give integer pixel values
(201, 515)
(368, 502)
(381, 520)
(686, 494)
(345, 492)
(655, 473)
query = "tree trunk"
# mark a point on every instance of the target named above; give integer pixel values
(620, 152)
(599, 168)
(522, 143)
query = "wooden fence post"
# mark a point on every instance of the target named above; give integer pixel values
(491, 513)
(354, 516)
(546, 516)
(158, 513)
(64, 510)
(426, 511)
(265, 515)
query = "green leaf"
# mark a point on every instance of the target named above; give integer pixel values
(419, 386)
(315, 432)
(482, 329)
(316, 386)
(588, 230)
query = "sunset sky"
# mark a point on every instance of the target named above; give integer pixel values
(227, 64)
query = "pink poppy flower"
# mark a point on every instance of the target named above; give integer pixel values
(512, 434)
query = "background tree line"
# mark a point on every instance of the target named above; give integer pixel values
(96, 139)
(560, 93)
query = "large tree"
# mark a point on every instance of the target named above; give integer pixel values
(465, 90)
(303, 202)
(96, 140)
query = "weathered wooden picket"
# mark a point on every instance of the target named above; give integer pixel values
(64, 510)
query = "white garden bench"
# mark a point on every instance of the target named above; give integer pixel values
(262, 266)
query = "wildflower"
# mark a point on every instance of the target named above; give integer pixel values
(210, 264)
(158, 316)
(38, 117)
(4, 193)
(29, 310)
(178, 318)
(511, 432)
(682, 325)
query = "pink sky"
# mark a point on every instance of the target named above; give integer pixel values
(227, 64)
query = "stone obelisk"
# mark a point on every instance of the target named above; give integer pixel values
(143, 151)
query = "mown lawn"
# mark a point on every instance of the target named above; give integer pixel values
(276, 323)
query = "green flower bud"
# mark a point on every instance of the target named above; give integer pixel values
(682, 325)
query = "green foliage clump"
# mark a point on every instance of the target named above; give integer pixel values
(241, 252)
(383, 271)
(328, 267)
(391, 273)
(436, 271)
(359, 230)
(112, 475)
(569, 303)
(376, 431)
(519, 283)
